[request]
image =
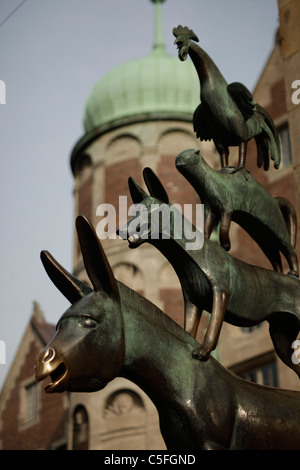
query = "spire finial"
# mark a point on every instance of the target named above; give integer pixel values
(159, 44)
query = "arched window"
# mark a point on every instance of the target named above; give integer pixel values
(80, 429)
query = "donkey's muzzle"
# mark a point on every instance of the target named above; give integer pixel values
(48, 364)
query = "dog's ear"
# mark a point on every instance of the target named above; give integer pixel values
(136, 191)
(155, 186)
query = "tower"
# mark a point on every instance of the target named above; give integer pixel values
(137, 115)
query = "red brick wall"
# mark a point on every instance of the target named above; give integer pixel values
(85, 198)
(85, 203)
(50, 426)
(173, 304)
(178, 188)
(116, 181)
(281, 185)
(277, 106)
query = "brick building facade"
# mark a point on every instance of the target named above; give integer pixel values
(29, 418)
(250, 352)
(121, 416)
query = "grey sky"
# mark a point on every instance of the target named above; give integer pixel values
(52, 52)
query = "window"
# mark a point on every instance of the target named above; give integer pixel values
(284, 137)
(266, 375)
(249, 329)
(260, 369)
(31, 402)
(80, 429)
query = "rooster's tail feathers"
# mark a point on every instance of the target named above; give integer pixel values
(269, 135)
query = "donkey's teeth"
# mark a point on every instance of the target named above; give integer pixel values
(133, 238)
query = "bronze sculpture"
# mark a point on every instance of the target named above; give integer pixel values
(213, 280)
(110, 331)
(227, 114)
(271, 221)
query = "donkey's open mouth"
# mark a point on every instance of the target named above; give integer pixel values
(134, 241)
(59, 379)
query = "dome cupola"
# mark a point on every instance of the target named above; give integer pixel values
(156, 86)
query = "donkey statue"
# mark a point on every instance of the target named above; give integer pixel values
(270, 221)
(111, 331)
(213, 280)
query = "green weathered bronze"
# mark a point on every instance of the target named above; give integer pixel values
(111, 331)
(214, 281)
(227, 196)
(227, 114)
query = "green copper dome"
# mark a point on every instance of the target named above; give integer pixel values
(158, 83)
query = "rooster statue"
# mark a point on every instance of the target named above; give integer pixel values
(227, 114)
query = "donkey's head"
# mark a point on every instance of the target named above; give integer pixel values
(151, 214)
(87, 350)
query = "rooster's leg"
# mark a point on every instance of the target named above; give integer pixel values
(223, 151)
(242, 159)
(224, 158)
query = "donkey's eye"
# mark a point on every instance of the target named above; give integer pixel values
(88, 323)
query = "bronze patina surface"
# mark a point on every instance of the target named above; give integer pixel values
(271, 221)
(111, 331)
(227, 114)
(213, 280)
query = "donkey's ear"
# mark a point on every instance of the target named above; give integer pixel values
(71, 287)
(154, 185)
(136, 191)
(95, 260)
